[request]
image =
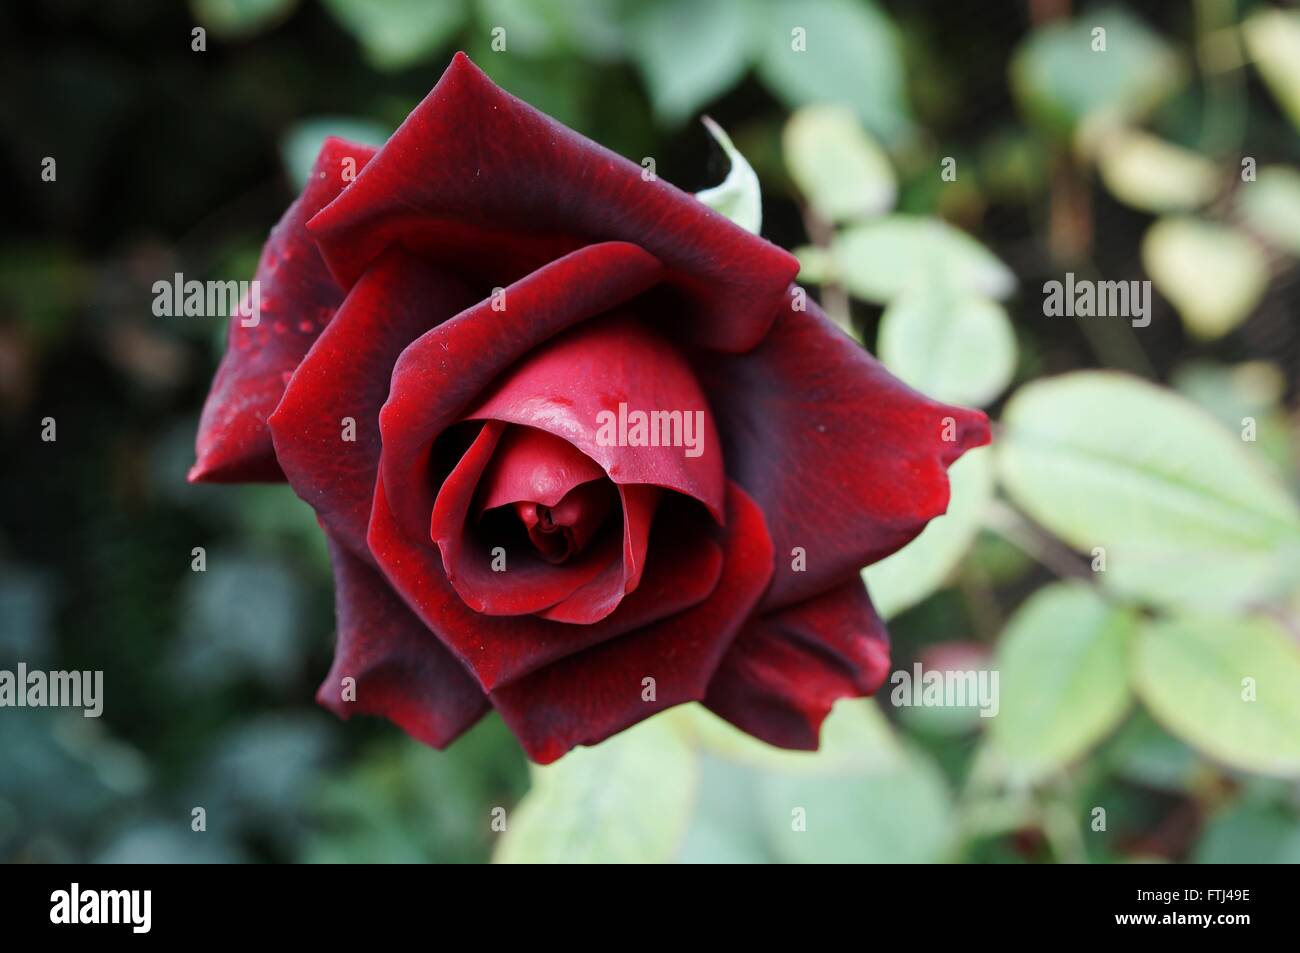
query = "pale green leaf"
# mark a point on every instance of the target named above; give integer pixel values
(948, 343)
(1151, 174)
(855, 736)
(1270, 206)
(838, 167)
(738, 196)
(1063, 679)
(836, 51)
(1229, 686)
(690, 53)
(1184, 512)
(626, 800)
(1061, 80)
(899, 813)
(877, 260)
(1213, 275)
(1273, 40)
(398, 33)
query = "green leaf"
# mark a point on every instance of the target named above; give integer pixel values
(1212, 274)
(1273, 41)
(878, 260)
(850, 55)
(241, 18)
(1063, 678)
(838, 167)
(902, 580)
(302, 141)
(1270, 207)
(1151, 174)
(556, 28)
(816, 265)
(690, 53)
(1186, 515)
(854, 737)
(737, 196)
(626, 800)
(1191, 674)
(899, 813)
(1250, 834)
(948, 343)
(1060, 80)
(399, 33)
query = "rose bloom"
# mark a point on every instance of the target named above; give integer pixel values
(462, 337)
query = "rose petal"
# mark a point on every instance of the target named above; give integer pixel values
(542, 469)
(498, 649)
(444, 370)
(345, 376)
(402, 672)
(591, 695)
(787, 668)
(476, 177)
(298, 297)
(577, 381)
(846, 461)
(598, 598)
(529, 583)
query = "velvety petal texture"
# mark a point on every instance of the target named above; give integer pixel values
(477, 177)
(581, 450)
(591, 695)
(396, 667)
(326, 427)
(787, 668)
(848, 462)
(298, 299)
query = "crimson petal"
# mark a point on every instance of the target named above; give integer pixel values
(345, 375)
(528, 583)
(476, 176)
(501, 649)
(591, 695)
(787, 668)
(401, 671)
(445, 369)
(583, 377)
(847, 462)
(298, 298)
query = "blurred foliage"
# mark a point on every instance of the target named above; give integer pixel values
(1126, 555)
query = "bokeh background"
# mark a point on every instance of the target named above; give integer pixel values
(1162, 691)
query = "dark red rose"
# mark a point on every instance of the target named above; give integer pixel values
(489, 293)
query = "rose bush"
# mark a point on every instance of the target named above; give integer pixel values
(442, 337)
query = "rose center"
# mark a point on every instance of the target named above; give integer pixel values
(560, 532)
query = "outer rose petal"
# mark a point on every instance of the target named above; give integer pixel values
(442, 372)
(501, 649)
(403, 673)
(346, 375)
(298, 297)
(477, 177)
(846, 461)
(591, 695)
(787, 668)
(566, 386)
